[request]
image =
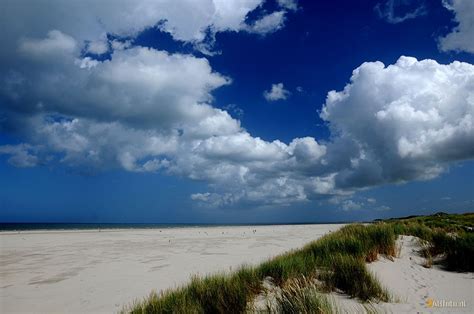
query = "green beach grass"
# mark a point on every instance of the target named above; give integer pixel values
(336, 261)
(449, 237)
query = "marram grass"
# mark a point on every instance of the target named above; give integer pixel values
(337, 261)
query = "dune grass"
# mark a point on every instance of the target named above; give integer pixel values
(302, 295)
(446, 222)
(337, 259)
(449, 237)
(219, 293)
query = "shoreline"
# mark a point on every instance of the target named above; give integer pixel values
(135, 227)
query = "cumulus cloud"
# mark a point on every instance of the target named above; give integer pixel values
(215, 200)
(288, 4)
(143, 110)
(120, 45)
(146, 110)
(390, 124)
(402, 122)
(371, 200)
(55, 44)
(277, 92)
(87, 21)
(351, 202)
(103, 145)
(129, 111)
(398, 11)
(349, 205)
(98, 47)
(139, 86)
(267, 24)
(21, 155)
(461, 37)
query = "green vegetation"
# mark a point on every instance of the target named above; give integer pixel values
(336, 261)
(450, 238)
(302, 296)
(446, 222)
(220, 293)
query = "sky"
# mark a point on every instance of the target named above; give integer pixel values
(235, 111)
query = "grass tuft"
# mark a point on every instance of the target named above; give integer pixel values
(302, 296)
(351, 275)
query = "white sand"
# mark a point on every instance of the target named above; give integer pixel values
(91, 271)
(414, 284)
(408, 282)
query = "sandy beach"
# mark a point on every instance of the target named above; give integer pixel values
(92, 271)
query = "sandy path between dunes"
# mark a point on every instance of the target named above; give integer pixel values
(412, 285)
(91, 271)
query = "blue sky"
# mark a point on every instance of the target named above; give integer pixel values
(182, 111)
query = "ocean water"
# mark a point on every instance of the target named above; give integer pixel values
(97, 226)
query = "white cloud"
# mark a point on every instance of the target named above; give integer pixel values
(267, 24)
(241, 147)
(120, 45)
(146, 110)
(204, 197)
(277, 92)
(142, 110)
(288, 4)
(398, 11)
(21, 155)
(55, 44)
(87, 21)
(149, 110)
(139, 86)
(462, 36)
(306, 150)
(349, 205)
(407, 121)
(371, 200)
(129, 111)
(98, 47)
(103, 145)
(350, 202)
